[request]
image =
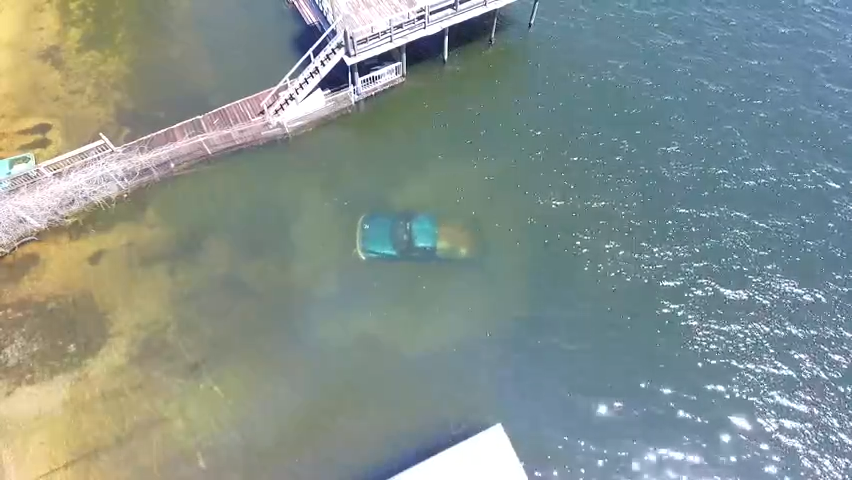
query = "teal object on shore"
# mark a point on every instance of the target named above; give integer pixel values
(17, 164)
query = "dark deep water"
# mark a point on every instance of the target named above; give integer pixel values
(664, 189)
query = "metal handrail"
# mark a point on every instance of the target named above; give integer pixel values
(380, 77)
(308, 55)
(383, 25)
(83, 149)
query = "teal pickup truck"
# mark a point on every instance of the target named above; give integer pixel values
(412, 236)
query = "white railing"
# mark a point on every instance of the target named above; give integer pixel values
(335, 100)
(418, 18)
(369, 84)
(302, 64)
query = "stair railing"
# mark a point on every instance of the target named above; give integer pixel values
(304, 62)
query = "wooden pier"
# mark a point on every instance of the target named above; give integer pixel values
(353, 31)
(231, 127)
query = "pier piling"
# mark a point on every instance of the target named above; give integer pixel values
(446, 44)
(532, 15)
(356, 78)
(493, 27)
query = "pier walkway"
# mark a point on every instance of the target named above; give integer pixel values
(233, 126)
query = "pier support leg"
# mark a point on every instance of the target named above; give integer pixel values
(446, 43)
(107, 142)
(403, 60)
(494, 27)
(532, 15)
(356, 80)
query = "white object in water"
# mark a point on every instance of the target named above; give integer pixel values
(487, 455)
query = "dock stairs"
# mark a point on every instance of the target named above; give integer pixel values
(322, 57)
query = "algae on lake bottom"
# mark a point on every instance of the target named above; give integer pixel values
(85, 362)
(69, 68)
(56, 94)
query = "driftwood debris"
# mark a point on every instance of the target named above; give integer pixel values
(94, 183)
(17, 245)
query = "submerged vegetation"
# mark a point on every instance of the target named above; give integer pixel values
(40, 340)
(89, 367)
(57, 92)
(68, 68)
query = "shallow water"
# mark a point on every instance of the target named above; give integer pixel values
(663, 191)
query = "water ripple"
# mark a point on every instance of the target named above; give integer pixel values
(721, 179)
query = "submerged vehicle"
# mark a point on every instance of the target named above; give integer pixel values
(412, 236)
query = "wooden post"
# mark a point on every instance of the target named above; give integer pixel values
(534, 11)
(352, 44)
(457, 5)
(356, 79)
(494, 27)
(107, 142)
(446, 43)
(403, 60)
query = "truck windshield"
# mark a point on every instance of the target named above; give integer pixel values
(401, 235)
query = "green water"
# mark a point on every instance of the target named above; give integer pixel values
(663, 193)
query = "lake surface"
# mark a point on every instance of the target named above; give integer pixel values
(665, 292)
